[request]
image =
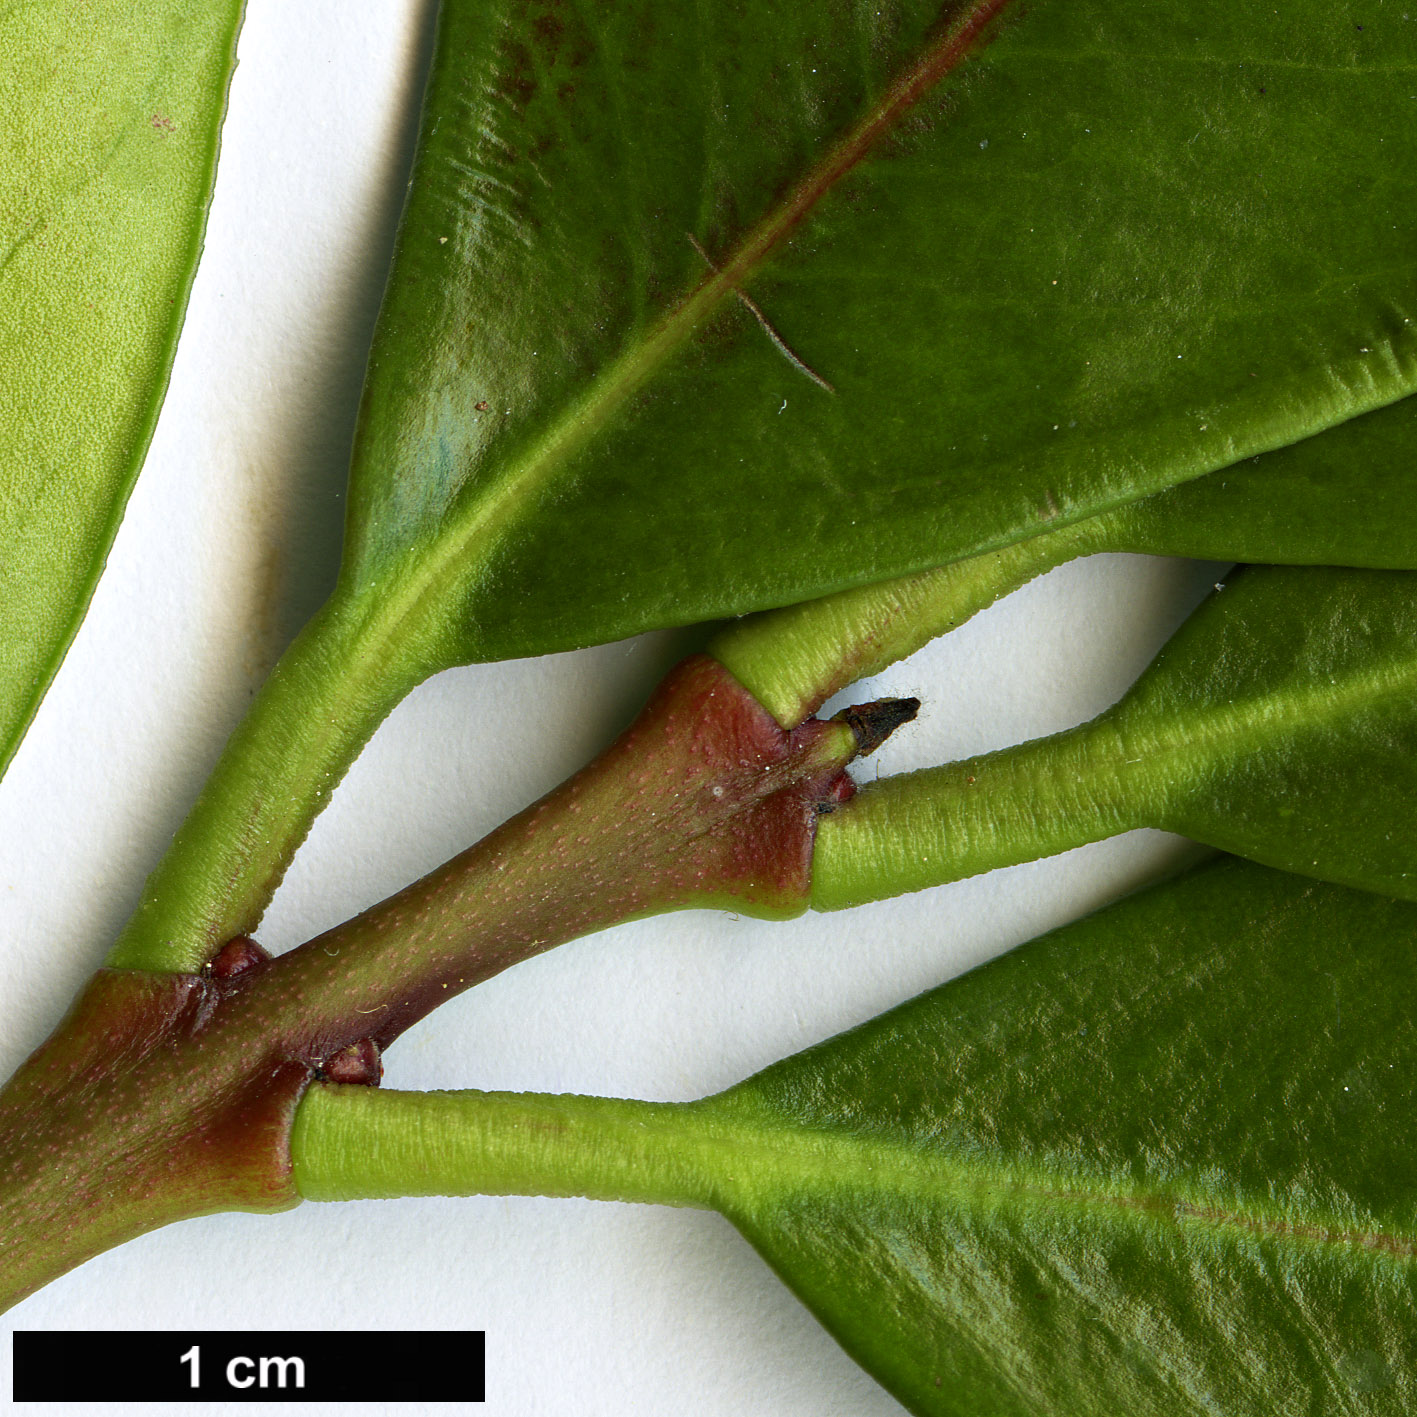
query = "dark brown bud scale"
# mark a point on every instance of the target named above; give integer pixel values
(237, 956)
(873, 723)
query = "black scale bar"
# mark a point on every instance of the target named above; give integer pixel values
(287, 1366)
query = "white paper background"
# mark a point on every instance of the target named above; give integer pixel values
(230, 541)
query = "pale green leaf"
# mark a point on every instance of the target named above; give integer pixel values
(111, 112)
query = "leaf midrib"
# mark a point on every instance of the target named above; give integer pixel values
(1256, 721)
(471, 534)
(782, 1160)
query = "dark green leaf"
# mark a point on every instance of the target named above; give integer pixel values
(1156, 1162)
(1054, 280)
(110, 113)
(1345, 497)
(1279, 723)
(1116, 250)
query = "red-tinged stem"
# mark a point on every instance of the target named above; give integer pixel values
(704, 801)
(140, 1110)
(168, 1096)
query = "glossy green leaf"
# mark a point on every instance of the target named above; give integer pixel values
(1157, 1162)
(1118, 248)
(1036, 259)
(1279, 723)
(1343, 498)
(110, 112)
